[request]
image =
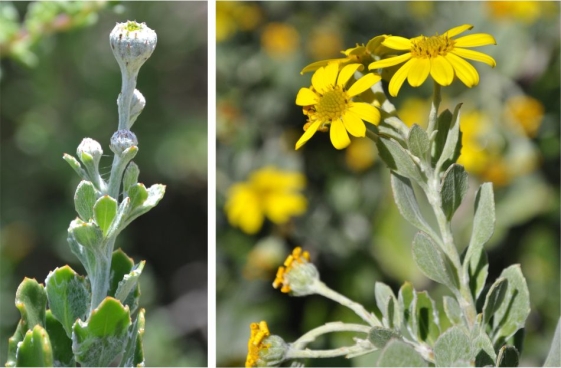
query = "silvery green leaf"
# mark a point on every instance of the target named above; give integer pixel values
(87, 234)
(138, 194)
(405, 298)
(452, 310)
(387, 303)
(512, 313)
(31, 301)
(433, 262)
(439, 135)
(134, 353)
(398, 159)
(61, 344)
(84, 199)
(155, 194)
(483, 350)
(379, 336)
(453, 189)
(35, 349)
(105, 210)
(119, 221)
(69, 296)
(451, 149)
(554, 356)
(424, 318)
(99, 340)
(128, 282)
(407, 204)
(130, 177)
(418, 142)
(507, 357)
(76, 166)
(399, 354)
(494, 298)
(452, 348)
(13, 342)
(89, 164)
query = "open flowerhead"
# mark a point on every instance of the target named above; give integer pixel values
(298, 275)
(441, 56)
(264, 349)
(329, 106)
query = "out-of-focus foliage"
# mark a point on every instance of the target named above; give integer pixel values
(61, 87)
(355, 235)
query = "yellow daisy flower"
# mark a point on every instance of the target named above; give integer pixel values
(328, 102)
(439, 55)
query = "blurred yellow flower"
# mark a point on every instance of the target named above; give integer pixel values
(324, 42)
(526, 112)
(475, 145)
(270, 193)
(360, 155)
(439, 55)
(525, 11)
(414, 110)
(232, 16)
(279, 40)
(258, 332)
(329, 103)
(498, 172)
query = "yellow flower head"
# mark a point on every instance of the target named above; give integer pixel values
(328, 102)
(270, 193)
(264, 350)
(439, 55)
(298, 275)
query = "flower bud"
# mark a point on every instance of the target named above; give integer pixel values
(90, 147)
(298, 276)
(137, 105)
(264, 349)
(122, 140)
(132, 44)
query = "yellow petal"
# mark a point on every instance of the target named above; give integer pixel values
(399, 77)
(474, 40)
(475, 55)
(331, 71)
(318, 80)
(346, 73)
(306, 97)
(318, 64)
(391, 61)
(418, 72)
(397, 43)
(281, 206)
(354, 124)
(243, 209)
(363, 84)
(457, 30)
(338, 134)
(366, 112)
(464, 70)
(441, 71)
(308, 134)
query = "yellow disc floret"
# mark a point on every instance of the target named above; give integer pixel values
(297, 257)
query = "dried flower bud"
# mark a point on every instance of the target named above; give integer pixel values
(90, 147)
(132, 44)
(122, 140)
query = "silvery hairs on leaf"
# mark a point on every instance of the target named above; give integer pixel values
(132, 44)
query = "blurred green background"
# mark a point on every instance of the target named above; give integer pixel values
(352, 228)
(59, 84)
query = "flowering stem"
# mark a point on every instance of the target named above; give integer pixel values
(125, 98)
(311, 335)
(354, 350)
(324, 290)
(433, 115)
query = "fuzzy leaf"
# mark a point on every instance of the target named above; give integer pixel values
(483, 351)
(128, 282)
(554, 357)
(450, 151)
(453, 189)
(452, 348)
(398, 159)
(512, 313)
(130, 177)
(105, 210)
(61, 344)
(379, 336)
(134, 353)
(35, 349)
(87, 234)
(118, 222)
(138, 194)
(99, 340)
(122, 265)
(387, 303)
(13, 342)
(76, 166)
(399, 354)
(425, 323)
(405, 298)
(494, 298)
(507, 357)
(433, 262)
(418, 142)
(31, 301)
(442, 125)
(69, 296)
(407, 204)
(155, 194)
(452, 310)
(84, 200)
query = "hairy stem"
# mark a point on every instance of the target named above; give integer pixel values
(433, 115)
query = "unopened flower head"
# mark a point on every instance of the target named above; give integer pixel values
(122, 140)
(328, 104)
(264, 349)
(90, 147)
(298, 276)
(132, 44)
(441, 56)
